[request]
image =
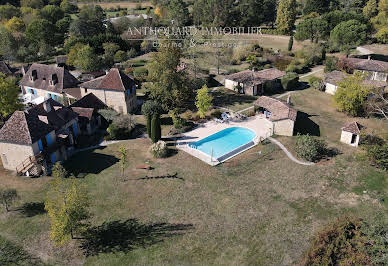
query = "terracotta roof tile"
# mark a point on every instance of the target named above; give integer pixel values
(250, 77)
(280, 109)
(366, 64)
(89, 101)
(353, 127)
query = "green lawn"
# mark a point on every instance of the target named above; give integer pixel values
(256, 209)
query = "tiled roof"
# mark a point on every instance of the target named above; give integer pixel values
(44, 75)
(367, 64)
(114, 80)
(252, 78)
(89, 101)
(334, 77)
(5, 69)
(84, 112)
(24, 128)
(280, 109)
(353, 127)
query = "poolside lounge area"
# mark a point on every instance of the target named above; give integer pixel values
(261, 126)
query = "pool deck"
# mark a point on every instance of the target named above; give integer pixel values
(260, 126)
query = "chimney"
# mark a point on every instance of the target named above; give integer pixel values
(289, 99)
(47, 106)
(369, 57)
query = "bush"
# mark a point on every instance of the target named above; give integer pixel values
(331, 64)
(379, 155)
(310, 148)
(156, 130)
(339, 243)
(120, 56)
(159, 149)
(316, 83)
(178, 121)
(290, 81)
(141, 73)
(121, 127)
(382, 35)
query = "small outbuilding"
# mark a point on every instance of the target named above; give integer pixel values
(351, 134)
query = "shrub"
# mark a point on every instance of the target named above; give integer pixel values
(290, 81)
(141, 73)
(339, 243)
(310, 148)
(178, 121)
(156, 130)
(382, 35)
(159, 149)
(331, 64)
(120, 56)
(121, 127)
(316, 83)
(379, 155)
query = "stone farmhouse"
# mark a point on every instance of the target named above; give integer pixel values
(351, 134)
(115, 89)
(279, 113)
(374, 69)
(333, 79)
(32, 140)
(252, 82)
(44, 81)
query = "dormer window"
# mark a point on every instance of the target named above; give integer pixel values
(34, 75)
(54, 79)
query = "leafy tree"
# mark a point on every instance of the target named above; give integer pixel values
(381, 19)
(351, 95)
(319, 6)
(123, 159)
(335, 17)
(8, 44)
(156, 130)
(63, 25)
(41, 30)
(286, 16)
(52, 13)
(87, 60)
(203, 101)
(15, 25)
(218, 13)
(349, 33)
(178, 11)
(110, 50)
(89, 22)
(370, 10)
(9, 99)
(8, 196)
(121, 127)
(331, 64)
(291, 43)
(312, 28)
(8, 11)
(67, 206)
(290, 81)
(168, 85)
(254, 12)
(382, 35)
(68, 7)
(310, 148)
(120, 56)
(37, 4)
(73, 53)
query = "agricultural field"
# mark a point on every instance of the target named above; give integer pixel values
(259, 208)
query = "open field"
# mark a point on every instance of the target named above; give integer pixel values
(257, 209)
(123, 4)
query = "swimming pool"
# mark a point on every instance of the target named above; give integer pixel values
(225, 142)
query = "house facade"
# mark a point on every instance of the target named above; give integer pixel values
(115, 89)
(252, 82)
(32, 141)
(44, 82)
(279, 113)
(374, 69)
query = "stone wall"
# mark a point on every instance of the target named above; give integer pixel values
(12, 155)
(284, 127)
(346, 137)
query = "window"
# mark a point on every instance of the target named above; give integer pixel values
(5, 161)
(49, 140)
(75, 129)
(86, 90)
(40, 144)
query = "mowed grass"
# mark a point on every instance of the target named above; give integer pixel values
(256, 209)
(122, 4)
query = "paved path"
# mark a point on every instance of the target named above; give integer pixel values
(364, 50)
(289, 153)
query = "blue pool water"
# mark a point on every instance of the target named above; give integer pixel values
(224, 141)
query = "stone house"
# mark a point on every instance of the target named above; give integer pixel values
(279, 113)
(87, 108)
(115, 89)
(333, 78)
(252, 82)
(351, 134)
(374, 69)
(49, 82)
(32, 141)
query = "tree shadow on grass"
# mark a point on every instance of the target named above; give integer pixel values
(226, 98)
(31, 209)
(304, 125)
(123, 236)
(89, 162)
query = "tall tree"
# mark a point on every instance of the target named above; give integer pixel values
(319, 6)
(168, 84)
(203, 101)
(67, 206)
(349, 33)
(156, 130)
(312, 28)
(41, 30)
(87, 60)
(351, 95)
(217, 13)
(52, 13)
(8, 44)
(9, 96)
(370, 10)
(15, 25)
(149, 108)
(286, 16)
(178, 12)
